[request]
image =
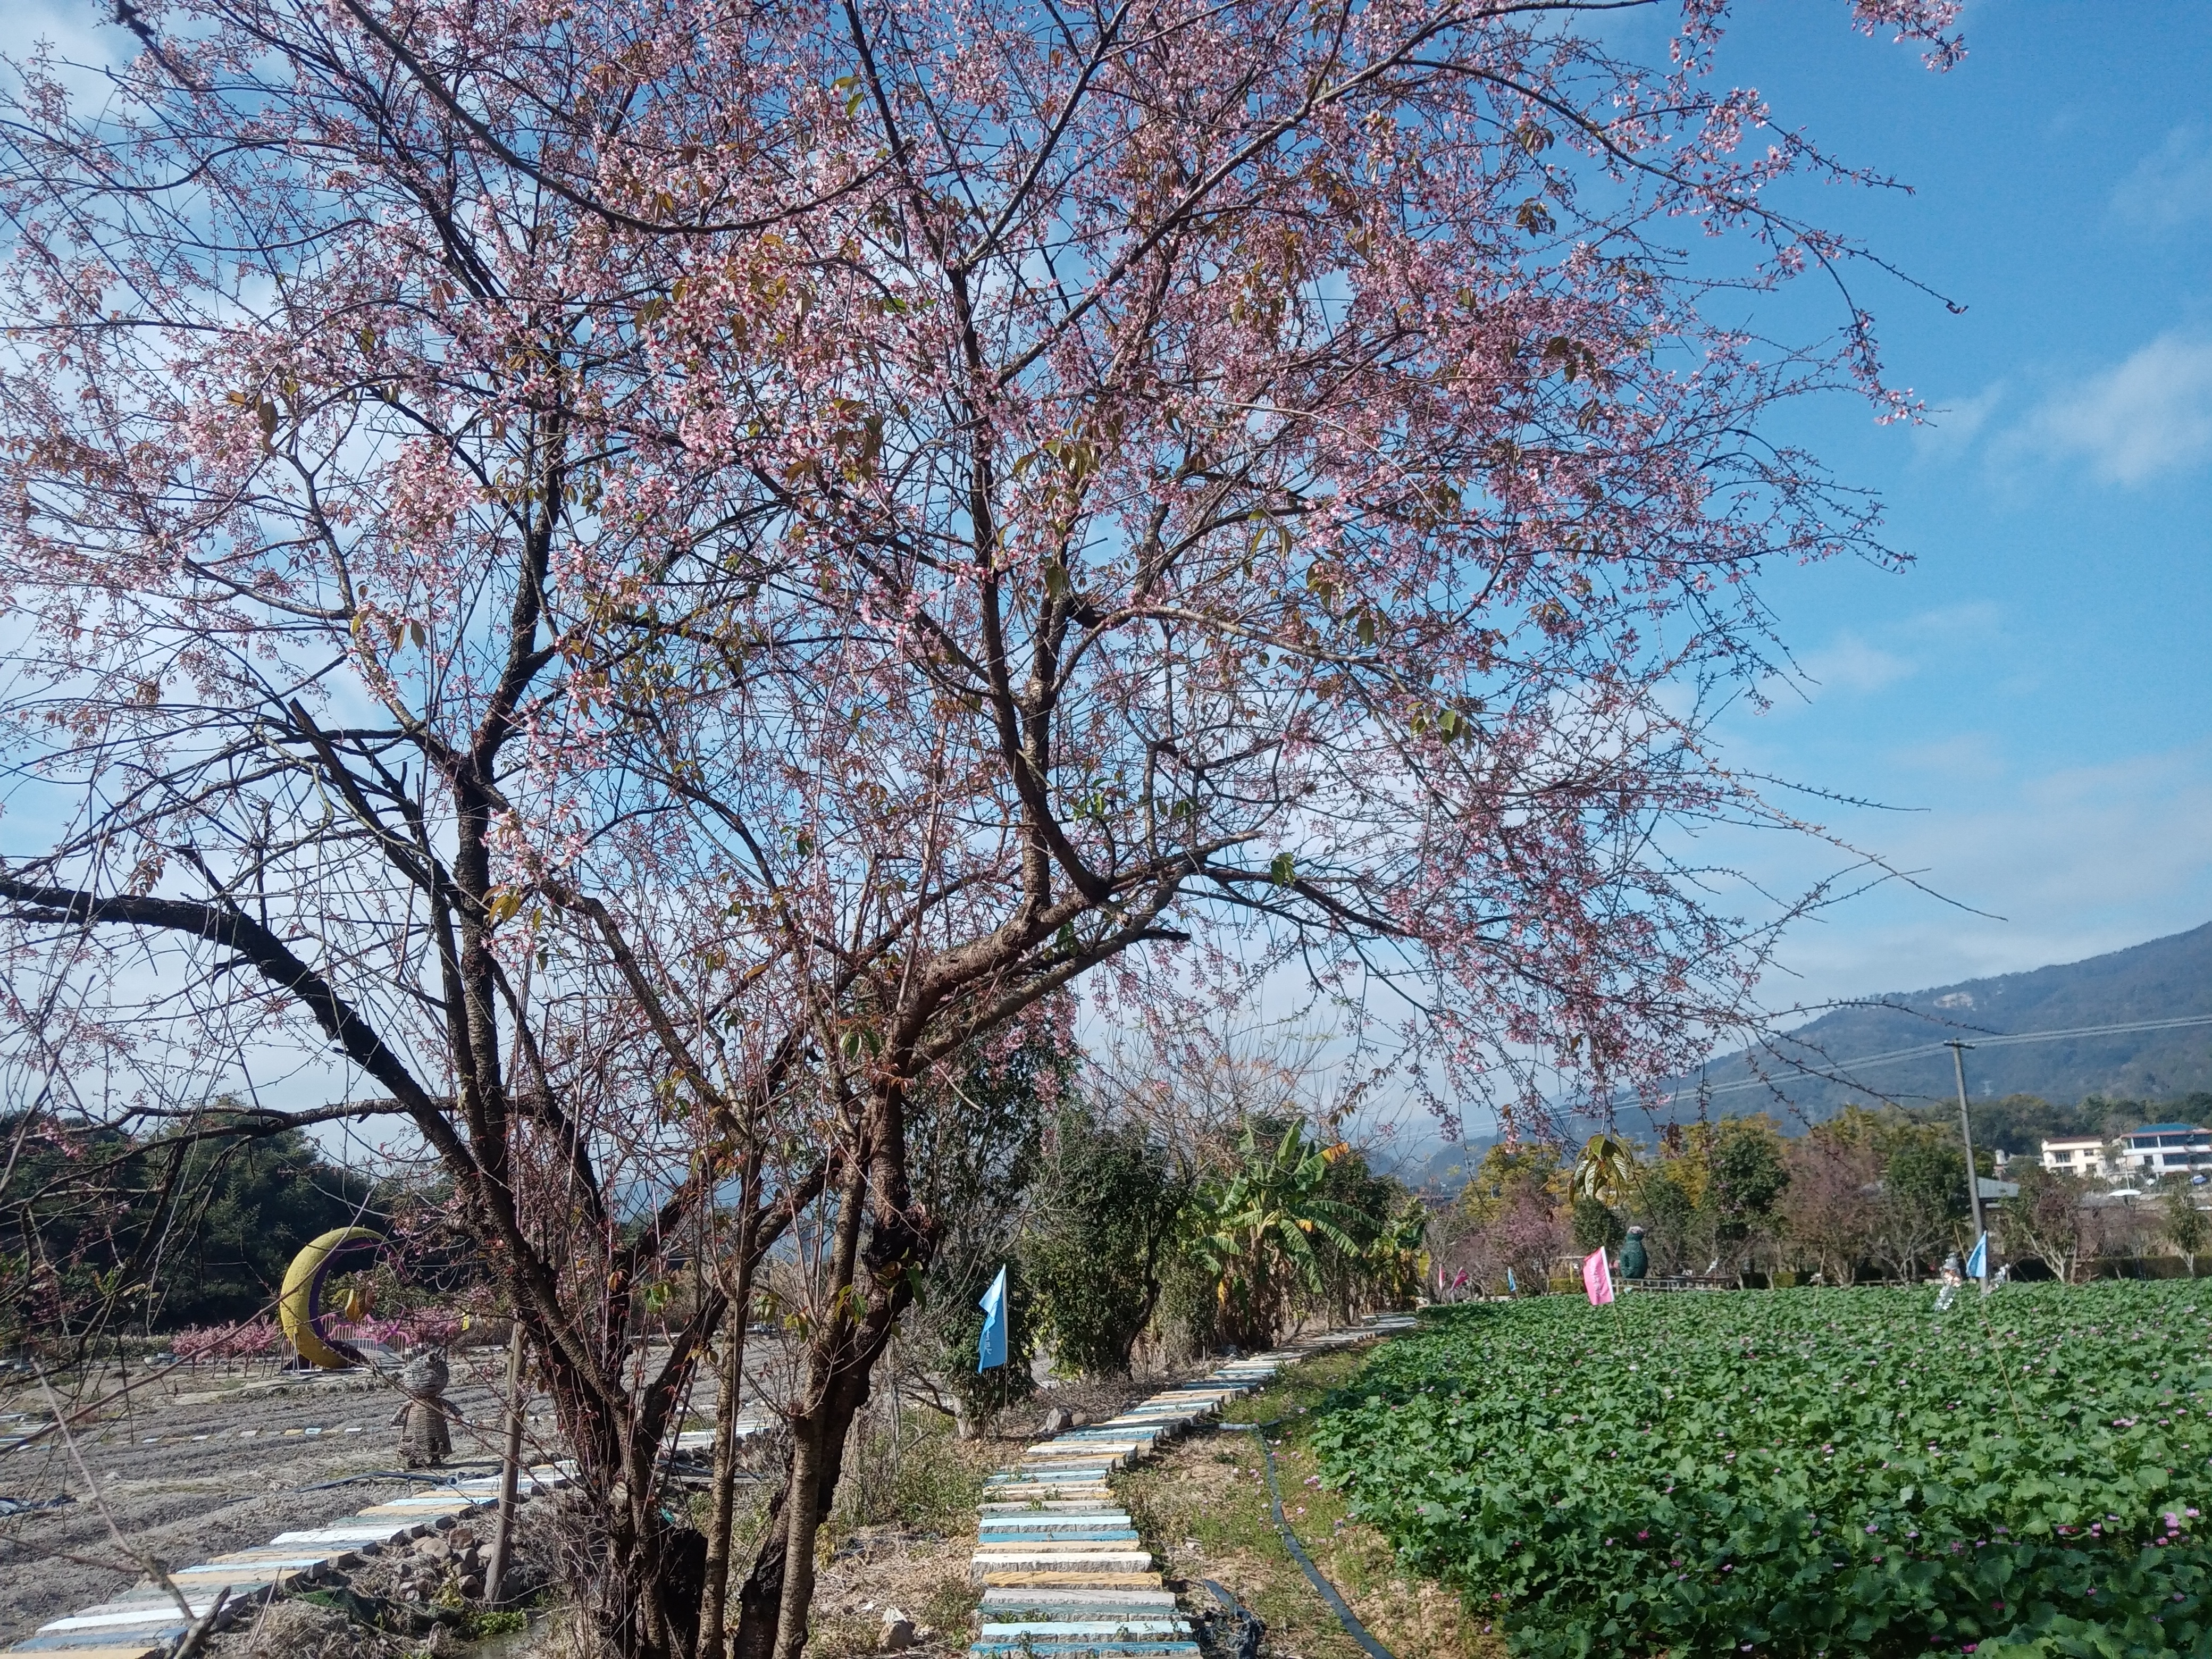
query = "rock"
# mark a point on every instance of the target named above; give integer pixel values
(298, 1630)
(437, 1549)
(1059, 1420)
(899, 1630)
(471, 1583)
(1082, 1419)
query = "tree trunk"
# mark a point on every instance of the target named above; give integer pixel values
(765, 1593)
(811, 1433)
(715, 1595)
(642, 1591)
(893, 1248)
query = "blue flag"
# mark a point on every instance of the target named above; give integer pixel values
(1978, 1264)
(991, 1347)
(1512, 1289)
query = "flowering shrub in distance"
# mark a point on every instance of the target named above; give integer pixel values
(1802, 1472)
(246, 1339)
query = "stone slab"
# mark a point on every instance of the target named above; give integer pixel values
(1133, 1647)
(1066, 1629)
(1046, 1578)
(1047, 1506)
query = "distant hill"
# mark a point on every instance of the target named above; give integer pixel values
(1852, 1054)
(1447, 1169)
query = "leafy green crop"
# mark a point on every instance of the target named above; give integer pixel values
(1803, 1471)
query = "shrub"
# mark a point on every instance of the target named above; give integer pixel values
(1105, 1206)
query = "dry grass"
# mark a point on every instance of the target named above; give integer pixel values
(1203, 1509)
(901, 1536)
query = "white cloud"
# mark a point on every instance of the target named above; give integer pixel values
(2172, 186)
(89, 48)
(2067, 863)
(1980, 621)
(1849, 663)
(2151, 414)
(1968, 756)
(1950, 430)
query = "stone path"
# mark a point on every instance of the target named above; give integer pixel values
(1062, 1568)
(1063, 1571)
(145, 1621)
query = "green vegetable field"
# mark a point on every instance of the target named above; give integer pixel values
(1802, 1472)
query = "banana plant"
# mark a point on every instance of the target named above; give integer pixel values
(1262, 1231)
(1606, 1170)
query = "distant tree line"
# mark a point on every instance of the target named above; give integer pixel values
(104, 1233)
(1163, 1233)
(1874, 1190)
(2018, 1125)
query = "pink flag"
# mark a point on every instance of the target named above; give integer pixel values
(1597, 1278)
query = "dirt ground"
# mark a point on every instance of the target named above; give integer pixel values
(1202, 1506)
(195, 1464)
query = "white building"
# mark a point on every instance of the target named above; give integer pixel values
(2158, 1148)
(2082, 1154)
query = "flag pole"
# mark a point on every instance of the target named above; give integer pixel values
(1966, 1134)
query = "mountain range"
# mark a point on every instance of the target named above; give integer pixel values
(2045, 1032)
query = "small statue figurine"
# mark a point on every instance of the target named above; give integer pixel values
(1954, 1275)
(1634, 1261)
(424, 1440)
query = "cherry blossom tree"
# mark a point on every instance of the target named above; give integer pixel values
(616, 593)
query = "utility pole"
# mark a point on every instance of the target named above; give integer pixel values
(1967, 1133)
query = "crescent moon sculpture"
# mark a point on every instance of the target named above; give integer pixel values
(299, 1306)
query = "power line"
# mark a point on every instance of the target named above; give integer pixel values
(2000, 1040)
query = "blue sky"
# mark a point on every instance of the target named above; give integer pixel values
(2036, 687)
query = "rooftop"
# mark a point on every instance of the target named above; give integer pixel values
(2171, 1129)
